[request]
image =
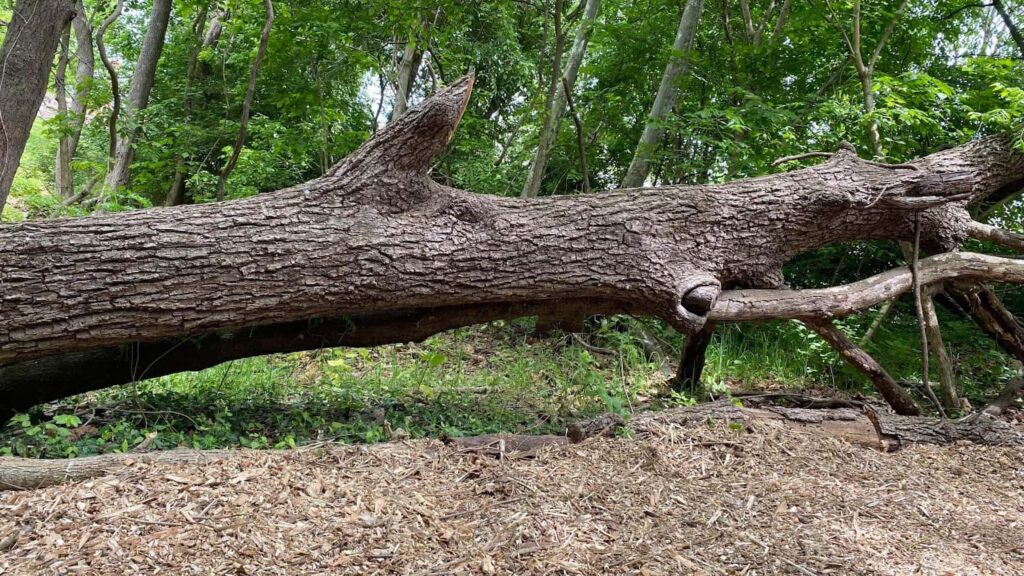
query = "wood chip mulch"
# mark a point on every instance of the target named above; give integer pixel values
(672, 500)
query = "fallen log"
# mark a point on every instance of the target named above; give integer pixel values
(875, 429)
(375, 247)
(25, 384)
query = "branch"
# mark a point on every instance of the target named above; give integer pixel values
(579, 135)
(748, 305)
(886, 34)
(1004, 238)
(250, 92)
(114, 89)
(894, 394)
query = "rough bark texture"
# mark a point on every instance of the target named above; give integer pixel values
(66, 374)
(991, 316)
(26, 56)
(138, 93)
(979, 429)
(558, 103)
(377, 243)
(691, 360)
(678, 64)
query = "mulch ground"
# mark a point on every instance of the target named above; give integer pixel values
(671, 500)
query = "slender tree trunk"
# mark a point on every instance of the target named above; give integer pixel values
(115, 88)
(678, 64)
(203, 39)
(558, 103)
(85, 69)
(408, 69)
(866, 82)
(62, 170)
(250, 92)
(27, 54)
(1015, 32)
(138, 93)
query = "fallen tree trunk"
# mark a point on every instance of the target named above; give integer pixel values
(25, 384)
(390, 256)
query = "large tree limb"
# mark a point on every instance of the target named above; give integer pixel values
(998, 236)
(823, 303)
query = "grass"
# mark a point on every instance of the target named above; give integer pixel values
(492, 378)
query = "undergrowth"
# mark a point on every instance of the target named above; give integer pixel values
(492, 378)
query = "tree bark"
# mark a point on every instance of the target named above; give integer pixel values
(84, 71)
(691, 361)
(27, 54)
(138, 93)
(678, 64)
(944, 365)
(990, 315)
(375, 239)
(25, 384)
(554, 115)
(250, 92)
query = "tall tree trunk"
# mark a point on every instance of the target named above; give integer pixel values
(250, 92)
(558, 103)
(27, 54)
(678, 64)
(138, 93)
(1015, 32)
(68, 145)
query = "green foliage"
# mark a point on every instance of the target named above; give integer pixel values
(946, 75)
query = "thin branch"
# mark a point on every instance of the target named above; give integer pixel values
(919, 303)
(794, 157)
(579, 135)
(250, 91)
(114, 88)
(889, 27)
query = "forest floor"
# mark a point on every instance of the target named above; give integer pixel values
(670, 499)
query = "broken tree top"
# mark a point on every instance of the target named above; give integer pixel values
(376, 236)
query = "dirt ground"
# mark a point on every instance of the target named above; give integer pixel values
(671, 500)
